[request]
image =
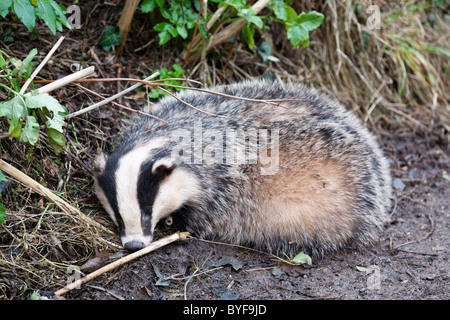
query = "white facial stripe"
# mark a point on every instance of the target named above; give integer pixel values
(179, 187)
(104, 201)
(127, 176)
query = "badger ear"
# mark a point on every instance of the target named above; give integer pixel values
(163, 167)
(100, 163)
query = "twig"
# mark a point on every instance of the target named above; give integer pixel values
(121, 105)
(245, 248)
(47, 193)
(268, 101)
(421, 239)
(41, 65)
(421, 253)
(153, 246)
(66, 80)
(190, 105)
(101, 103)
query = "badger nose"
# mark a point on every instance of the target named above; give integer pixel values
(133, 245)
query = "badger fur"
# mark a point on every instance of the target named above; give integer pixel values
(317, 181)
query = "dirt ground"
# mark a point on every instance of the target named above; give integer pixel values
(410, 261)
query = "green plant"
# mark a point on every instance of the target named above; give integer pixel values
(298, 26)
(52, 13)
(111, 37)
(181, 19)
(165, 73)
(26, 113)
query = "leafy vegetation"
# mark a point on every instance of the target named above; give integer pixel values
(165, 73)
(111, 37)
(181, 19)
(26, 113)
(52, 13)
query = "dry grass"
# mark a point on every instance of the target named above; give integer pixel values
(401, 69)
(396, 75)
(41, 246)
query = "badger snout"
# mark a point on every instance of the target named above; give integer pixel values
(136, 242)
(134, 245)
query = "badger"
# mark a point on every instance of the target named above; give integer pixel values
(281, 168)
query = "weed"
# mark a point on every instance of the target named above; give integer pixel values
(25, 113)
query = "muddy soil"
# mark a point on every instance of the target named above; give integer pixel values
(410, 261)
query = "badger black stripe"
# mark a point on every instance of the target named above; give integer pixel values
(148, 186)
(107, 182)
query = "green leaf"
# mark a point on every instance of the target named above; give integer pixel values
(297, 34)
(14, 109)
(6, 107)
(279, 8)
(2, 176)
(249, 31)
(182, 31)
(167, 31)
(26, 69)
(291, 15)
(15, 123)
(47, 14)
(56, 123)
(35, 296)
(302, 258)
(30, 133)
(60, 12)
(25, 12)
(148, 6)
(56, 139)
(177, 70)
(310, 20)
(42, 100)
(250, 16)
(2, 214)
(3, 13)
(4, 5)
(111, 37)
(53, 123)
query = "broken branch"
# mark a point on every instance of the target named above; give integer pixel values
(64, 81)
(153, 246)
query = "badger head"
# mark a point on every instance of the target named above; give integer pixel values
(140, 188)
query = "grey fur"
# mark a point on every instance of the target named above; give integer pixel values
(316, 134)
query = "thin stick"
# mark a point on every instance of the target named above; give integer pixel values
(41, 65)
(47, 193)
(421, 239)
(66, 80)
(121, 105)
(101, 103)
(190, 105)
(153, 246)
